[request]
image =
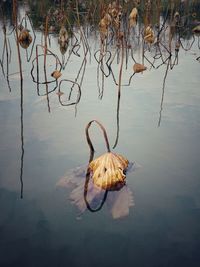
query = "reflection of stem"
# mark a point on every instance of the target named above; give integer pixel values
(119, 93)
(21, 93)
(45, 56)
(163, 92)
(8, 57)
(88, 173)
(87, 179)
(69, 97)
(22, 140)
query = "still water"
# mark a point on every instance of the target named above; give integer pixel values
(42, 142)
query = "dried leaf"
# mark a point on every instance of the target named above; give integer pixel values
(137, 67)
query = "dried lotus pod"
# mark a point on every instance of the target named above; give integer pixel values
(117, 23)
(196, 30)
(137, 67)
(133, 14)
(24, 38)
(108, 171)
(103, 24)
(177, 16)
(103, 28)
(149, 36)
(63, 37)
(56, 74)
(107, 19)
(133, 17)
(132, 23)
(63, 40)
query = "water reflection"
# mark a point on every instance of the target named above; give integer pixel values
(118, 38)
(45, 145)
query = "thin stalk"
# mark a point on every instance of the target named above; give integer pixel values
(104, 134)
(21, 95)
(119, 92)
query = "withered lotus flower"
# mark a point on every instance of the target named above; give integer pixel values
(108, 170)
(137, 67)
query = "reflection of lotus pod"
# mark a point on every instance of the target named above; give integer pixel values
(132, 22)
(133, 17)
(56, 74)
(137, 67)
(108, 171)
(116, 23)
(196, 29)
(103, 28)
(107, 19)
(63, 40)
(177, 16)
(149, 35)
(63, 36)
(102, 24)
(25, 38)
(133, 14)
(63, 48)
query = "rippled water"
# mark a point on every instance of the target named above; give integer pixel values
(43, 141)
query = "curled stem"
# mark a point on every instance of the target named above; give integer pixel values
(104, 134)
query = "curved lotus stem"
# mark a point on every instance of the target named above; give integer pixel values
(104, 134)
(87, 178)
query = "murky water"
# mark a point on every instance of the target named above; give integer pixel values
(155, 124)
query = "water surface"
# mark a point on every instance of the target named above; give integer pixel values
(42, 140)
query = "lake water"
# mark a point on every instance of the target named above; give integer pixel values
(42, 141)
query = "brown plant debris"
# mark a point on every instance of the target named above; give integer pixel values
(56, 74)
(108, 171)
(149, 36)
(137, 67)
(24, 38)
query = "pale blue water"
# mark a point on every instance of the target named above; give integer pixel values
(162, 228)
